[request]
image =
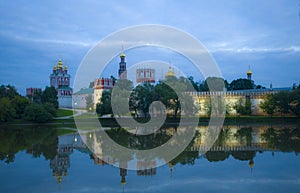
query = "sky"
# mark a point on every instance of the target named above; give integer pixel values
(262, 34)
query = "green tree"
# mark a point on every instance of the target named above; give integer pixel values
(244, 135)
(282, 100)
(141, 98)
(294, 104)
(8, 91)
(241, 84)
(37, 97)
(20, 103)
(50, 108)
(268, 105)
(248, 109)
(208, 107)
(37, 113)
(214, 84)
(243, 108)
(7, 111)
(104, 106)
(196, 85)
(49, 95)
(165, 94)
(239, 107)
(174, 94)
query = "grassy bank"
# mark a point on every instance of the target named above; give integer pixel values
(64, 112)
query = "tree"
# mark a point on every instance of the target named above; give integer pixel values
(104, 106)
(7, 111)
(213, 84)
(294, 104)
(141, 98)
(244, 135)
(165, 94)
(243, 108)
(282, 100)
(20, 103)
(248, 110)
(50, 108)
(89, 102)
(37, 113)
(172, 92)
(207, 107)
(241, 84)
(8, 91)
(196, 85)
(49, 95)
(268, 105)
(37, 97)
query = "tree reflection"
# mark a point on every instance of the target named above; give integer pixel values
(215, 156)
(283, 139)
(38, 141)
(244, 135)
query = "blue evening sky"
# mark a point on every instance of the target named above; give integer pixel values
(263, 34)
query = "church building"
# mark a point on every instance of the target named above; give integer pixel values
(60, 80)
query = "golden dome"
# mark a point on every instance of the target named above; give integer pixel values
(60, 63)
(122, 54)
(249, 72)
(54, 67)
(170, 72)
(65, 68)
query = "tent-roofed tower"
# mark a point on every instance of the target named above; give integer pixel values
(122, 67)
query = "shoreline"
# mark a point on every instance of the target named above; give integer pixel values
(203, 121)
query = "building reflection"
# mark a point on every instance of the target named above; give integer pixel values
(240, 143)
(146, 168)
(61, 162)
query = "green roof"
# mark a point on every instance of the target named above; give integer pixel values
(85, 91)
(64, 88)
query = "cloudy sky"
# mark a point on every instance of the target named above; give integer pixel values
(262, 34)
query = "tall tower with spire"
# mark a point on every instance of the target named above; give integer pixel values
(122, 67)
(249, 73)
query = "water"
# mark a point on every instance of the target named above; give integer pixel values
(243, 159)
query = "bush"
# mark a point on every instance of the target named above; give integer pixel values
(37, 113)
(50, 108)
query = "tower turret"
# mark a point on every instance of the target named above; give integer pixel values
(249, 73)
(122, 67)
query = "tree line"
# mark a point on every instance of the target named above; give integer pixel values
(283, 103)
(145, 94)
(40, 107)
(237, 84)
(169, 92)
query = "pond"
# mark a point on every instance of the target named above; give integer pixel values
(252, 158)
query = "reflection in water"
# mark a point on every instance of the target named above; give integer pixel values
(240, 143)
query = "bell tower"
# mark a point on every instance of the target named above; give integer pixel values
(122, 67)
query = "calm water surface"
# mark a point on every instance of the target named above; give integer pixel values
(243, 159)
